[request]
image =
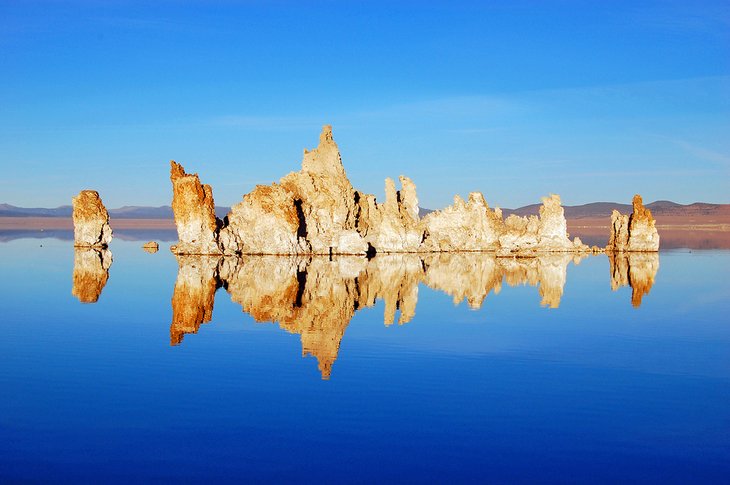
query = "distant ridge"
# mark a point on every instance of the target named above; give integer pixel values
(591, 210)
(126, 212)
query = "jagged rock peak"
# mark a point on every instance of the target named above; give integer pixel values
(633, 233)
(194, 210)
(325, 159)
(91, 220)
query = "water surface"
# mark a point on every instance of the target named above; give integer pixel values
(136, 366)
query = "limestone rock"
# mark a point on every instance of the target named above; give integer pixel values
(643, 235)
(633, 233)
(151, 247)
(393, 226)
(546, 233)
(268, 221)
(470, 226)
(91, 220)
(310, 211)
(91, 272)
(194, 209)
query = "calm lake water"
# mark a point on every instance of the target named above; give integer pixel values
(453, 368)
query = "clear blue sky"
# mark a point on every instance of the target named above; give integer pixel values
(591, 100)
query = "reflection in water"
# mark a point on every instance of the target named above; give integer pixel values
(637, 270)
(91, 272)
(192, 300)
(316, 297)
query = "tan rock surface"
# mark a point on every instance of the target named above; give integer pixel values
(543, 234)
(393, 226)
(317, 211)
(91, 220)
(635, 233)
(463, 226)
(194, 209)
(91, 272)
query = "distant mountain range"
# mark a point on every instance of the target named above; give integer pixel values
(126, 212)
(593, 210)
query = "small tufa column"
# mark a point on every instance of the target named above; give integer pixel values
(91, 220)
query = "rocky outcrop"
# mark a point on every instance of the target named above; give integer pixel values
(151, 247)
(91, 220)
(316, 211)
(635, 233)
(313, 211)
(463, 226)
(547, 232)
(393, 226)
(91, 272)
(635, 269)
(194, 209)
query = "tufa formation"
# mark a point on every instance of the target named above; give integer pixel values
(317, 211)
(91, 220)
(634, 233)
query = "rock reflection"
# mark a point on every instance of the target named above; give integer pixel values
(316, 297)
(91, 272)
(194, 295)
(637, 270)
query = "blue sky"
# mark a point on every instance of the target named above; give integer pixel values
(592, 100)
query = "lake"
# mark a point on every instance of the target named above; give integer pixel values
(126, 366)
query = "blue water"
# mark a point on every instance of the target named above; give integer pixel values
(596, 390)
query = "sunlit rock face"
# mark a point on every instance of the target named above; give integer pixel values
(194, 209)
(546, 233)
(194, 294)
(635, 269)
(310, 211)
(267, 221)
(316, 211)
(463, 226)
(393, 226)
(91, 220)
(91, 272)
(633, 233)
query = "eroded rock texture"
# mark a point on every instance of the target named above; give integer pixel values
(316, 297)
(317, 211)
(547, 232)
(194, 209)
(637, 269)
(91, 272)
(91, 220)
(313, 211)
(633, 233)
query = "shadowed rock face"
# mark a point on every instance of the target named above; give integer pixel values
(316, 297)
(194, 209)
(91, 272)
(316, 211)
(91, 220)
(633, 233)
(637, 270)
